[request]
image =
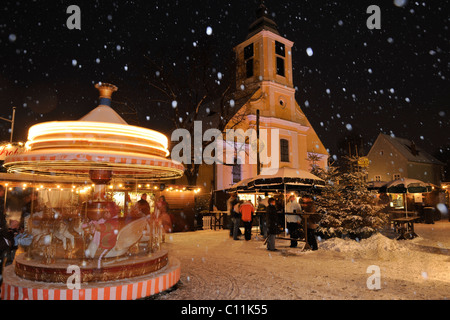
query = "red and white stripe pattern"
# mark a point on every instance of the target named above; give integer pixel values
(119, 291)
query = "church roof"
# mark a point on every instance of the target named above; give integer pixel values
(262, 22)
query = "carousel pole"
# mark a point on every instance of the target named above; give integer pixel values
(406, 203)
(6, 196)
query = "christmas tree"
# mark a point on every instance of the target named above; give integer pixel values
(347, 207)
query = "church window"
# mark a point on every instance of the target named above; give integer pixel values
(248, 58)
(248, 51)
(284, 150)
(280, 66)
(236, 172)
(280, 51)
(249, 68)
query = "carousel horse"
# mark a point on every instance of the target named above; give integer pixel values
(127, 237)
(62, 233)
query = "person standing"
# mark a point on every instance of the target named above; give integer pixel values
(231, 203)
(272, 225)
(262, 208)
(313, 221)
(143, 206)
(162, 214)
(237, 220)
(247, 210)
(293, 220)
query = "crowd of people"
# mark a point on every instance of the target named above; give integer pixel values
(272, 212)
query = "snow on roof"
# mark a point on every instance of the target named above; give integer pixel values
(104, 114)
(411, 151)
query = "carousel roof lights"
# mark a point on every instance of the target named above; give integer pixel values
(49, 134)
(100, 141)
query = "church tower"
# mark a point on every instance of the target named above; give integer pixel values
(265, 55)
(264, 66)
(265, 59)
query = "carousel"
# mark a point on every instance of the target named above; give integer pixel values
(87, 249)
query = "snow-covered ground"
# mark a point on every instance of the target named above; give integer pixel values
(216, 267)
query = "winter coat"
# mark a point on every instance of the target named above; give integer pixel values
(272, 220)
(231, 203)
(247, 211)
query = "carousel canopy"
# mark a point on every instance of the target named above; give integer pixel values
(101, 140)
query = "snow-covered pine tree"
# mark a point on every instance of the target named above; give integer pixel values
(347, 207)
(329, 204)
(364, 216)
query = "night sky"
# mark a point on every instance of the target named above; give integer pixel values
(357, 81)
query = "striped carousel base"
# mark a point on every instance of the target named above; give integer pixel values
(15, 288)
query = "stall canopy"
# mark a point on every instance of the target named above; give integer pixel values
(405, 185)
(284, 179)
(376, 185)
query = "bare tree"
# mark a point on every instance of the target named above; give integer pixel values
(196, 89)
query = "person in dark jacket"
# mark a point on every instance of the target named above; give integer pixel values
(231, 214)
(272, 225)
(313, 221)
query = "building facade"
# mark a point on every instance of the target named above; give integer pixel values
(392, 158)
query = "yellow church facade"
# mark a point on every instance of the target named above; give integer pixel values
(264, 62)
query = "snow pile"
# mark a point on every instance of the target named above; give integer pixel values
(377, 245)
